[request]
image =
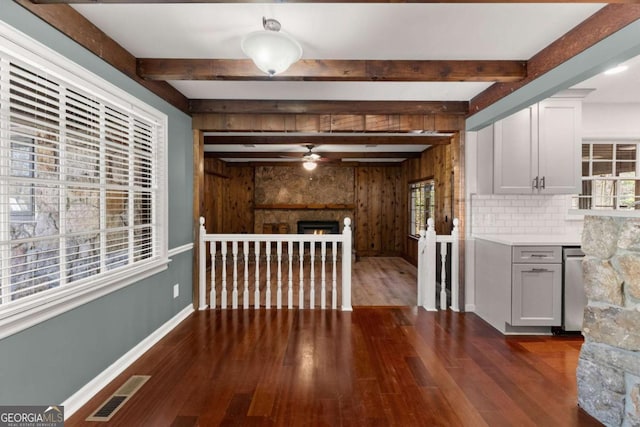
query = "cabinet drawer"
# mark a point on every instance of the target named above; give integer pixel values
(537, 254)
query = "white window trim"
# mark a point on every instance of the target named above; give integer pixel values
(24, 314)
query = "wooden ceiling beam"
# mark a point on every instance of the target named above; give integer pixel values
(597, 27)
(324, 155)
(335, 70)
(254, 106)
(326, 139)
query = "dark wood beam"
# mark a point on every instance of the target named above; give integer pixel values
(324, 155)
(254, 106)
(75, 26)
(598, 26)
(326, 139)
(335, 70)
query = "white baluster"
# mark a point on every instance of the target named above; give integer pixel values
(443, 275)
(223, 252)
(301, 285)
(212, 291)
(245, 292)
(455, 265)
(256, 292)
(290, 281)
(202, 266)
(234, 292)
(334, 279)
(346, 266)
(323, 291)
(279, 279)
(267, 251)
(422, 263)
(312, 276)
(430, 276)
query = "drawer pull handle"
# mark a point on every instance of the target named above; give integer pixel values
(538, 270)
(538, 256)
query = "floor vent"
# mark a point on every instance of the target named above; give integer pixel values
(117, 400)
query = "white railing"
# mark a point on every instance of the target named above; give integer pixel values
(427, 263)
(260, 253)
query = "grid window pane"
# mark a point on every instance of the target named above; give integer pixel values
(78, 173)
(421, 205)
(608, 174)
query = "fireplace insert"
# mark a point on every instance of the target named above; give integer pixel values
(318, 227)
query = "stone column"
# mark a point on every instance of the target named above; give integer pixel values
(609, 366)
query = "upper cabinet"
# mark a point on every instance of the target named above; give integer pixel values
(534, 151)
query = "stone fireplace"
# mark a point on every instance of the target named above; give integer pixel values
(608, 371)
(286, 195)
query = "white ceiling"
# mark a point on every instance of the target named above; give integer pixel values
(423, 31)
(418, 31)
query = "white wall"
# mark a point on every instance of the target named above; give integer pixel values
(610, 121)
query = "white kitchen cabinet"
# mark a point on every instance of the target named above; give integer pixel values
(518, 288)
(534, 151)
(536, 291)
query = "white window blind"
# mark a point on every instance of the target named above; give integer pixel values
(80, 184)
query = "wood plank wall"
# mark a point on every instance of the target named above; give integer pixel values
(380, 200)
(228, 197)
(381, 205)
(380, 221)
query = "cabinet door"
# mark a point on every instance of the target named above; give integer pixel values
(516, 152)
(559, 143)
(536, 295)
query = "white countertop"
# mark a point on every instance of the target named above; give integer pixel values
(532, 239)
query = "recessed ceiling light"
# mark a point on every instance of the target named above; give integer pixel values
(615, 70)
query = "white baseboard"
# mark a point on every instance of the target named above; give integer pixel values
(470, 308)
(82, 396)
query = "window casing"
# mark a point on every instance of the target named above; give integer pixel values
(82, 173)
(610, 176)
(421, 205)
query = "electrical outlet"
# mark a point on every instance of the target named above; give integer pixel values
(176, 290)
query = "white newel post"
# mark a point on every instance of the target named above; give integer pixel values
(422, 247)
(429, 302)
(346, 266)
(455, 265)
(202, 264)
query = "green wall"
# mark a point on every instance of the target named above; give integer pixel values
(50, 361)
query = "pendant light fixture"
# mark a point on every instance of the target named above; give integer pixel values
(310, 159)
(309, 165)
(271, 50)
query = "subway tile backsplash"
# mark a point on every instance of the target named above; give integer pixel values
(519, 214)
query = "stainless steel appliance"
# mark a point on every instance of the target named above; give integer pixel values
(574, 298)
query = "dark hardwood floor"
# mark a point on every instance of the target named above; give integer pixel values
(391, 366)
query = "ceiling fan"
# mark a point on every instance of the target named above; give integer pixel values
(310, 156)
(310, 159)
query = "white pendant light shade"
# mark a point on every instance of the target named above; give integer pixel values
(309, 165)
(271, 50)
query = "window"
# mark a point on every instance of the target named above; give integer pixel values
(421, 205)
(82, 168)
(610, 176)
